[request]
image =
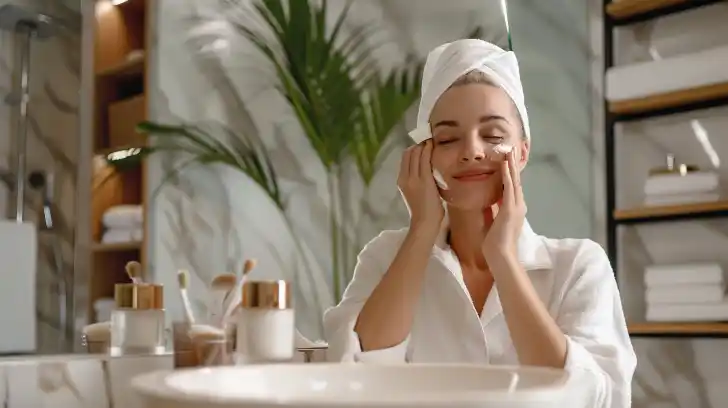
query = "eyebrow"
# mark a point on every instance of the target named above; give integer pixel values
(483, 119)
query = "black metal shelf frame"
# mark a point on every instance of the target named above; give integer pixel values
(610, 120)
(677, 335)
(697, 215)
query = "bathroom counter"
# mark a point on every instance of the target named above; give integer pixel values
(73, 380)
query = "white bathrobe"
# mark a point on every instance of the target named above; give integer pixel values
(572, 276)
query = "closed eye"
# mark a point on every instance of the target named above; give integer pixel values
(493, 139)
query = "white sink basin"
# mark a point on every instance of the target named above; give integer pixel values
(357, 386)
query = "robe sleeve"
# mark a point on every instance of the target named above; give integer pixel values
(339, 321)
(592, 319)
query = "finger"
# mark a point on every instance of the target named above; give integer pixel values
(490, 214)
(508, 191)
(414, 165)
(426, 159)
(516, 176)
(405, 163)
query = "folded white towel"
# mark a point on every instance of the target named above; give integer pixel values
(680, 274)
(684, 71)
(677, 199)
(119, 235)
(688, 313)
(123, 216)
(666, 295)
(698, 182)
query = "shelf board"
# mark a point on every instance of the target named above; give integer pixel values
(624, 12)
(678, 329)
(672, 212)
(670, 103)
(134, 67)
(120, 247)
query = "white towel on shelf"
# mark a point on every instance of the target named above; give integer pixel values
(120, 235)
(698, 182)
(680, 274)
(123, 216)
(680, 294)
(677, 199)
(688, 312)
(684, 71)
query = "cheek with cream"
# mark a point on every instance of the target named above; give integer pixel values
(498, 152)
(439, 179)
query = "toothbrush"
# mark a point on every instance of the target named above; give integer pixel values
(222, 286)
(236, 296)
(183, 281)
(134, 271)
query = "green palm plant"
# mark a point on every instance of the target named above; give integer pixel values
(343, 103)
(203, 147)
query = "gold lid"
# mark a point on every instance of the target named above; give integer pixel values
(140, 296)
(266, 295)
(671, 168)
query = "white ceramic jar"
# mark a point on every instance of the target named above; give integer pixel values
(265, 323)
(137, 321)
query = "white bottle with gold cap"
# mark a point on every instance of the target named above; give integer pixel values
(265, 323)
(137, 321)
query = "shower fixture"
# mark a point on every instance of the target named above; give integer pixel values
(27, 25)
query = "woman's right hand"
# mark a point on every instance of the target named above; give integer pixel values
(417, 185)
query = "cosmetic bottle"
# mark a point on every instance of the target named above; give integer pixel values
(137, 321)
(265, 323)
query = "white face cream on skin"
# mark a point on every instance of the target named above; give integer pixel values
(498, 152)
(439, 180)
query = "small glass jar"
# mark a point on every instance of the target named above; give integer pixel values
(265, 323)
(137, 321)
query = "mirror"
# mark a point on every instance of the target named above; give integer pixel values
(99, 194)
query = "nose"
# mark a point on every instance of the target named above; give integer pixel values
(473, 149)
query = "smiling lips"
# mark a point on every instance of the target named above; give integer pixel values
(473, 175)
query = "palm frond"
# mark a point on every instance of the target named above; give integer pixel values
(204, 147)
(387, 102)
(321, 71)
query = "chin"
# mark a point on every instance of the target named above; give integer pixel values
(470, 200)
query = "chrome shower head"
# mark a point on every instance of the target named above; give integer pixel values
(14, 18)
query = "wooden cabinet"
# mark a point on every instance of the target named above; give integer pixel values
(121, 37)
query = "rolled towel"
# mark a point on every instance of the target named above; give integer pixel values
(124, 216)
(119, 235)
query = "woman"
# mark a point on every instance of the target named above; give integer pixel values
(469, 281)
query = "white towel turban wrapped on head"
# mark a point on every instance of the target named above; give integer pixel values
(448, 62)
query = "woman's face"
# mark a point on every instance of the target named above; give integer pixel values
(467, 121)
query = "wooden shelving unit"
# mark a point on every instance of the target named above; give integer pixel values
(620, 13)
(121, 38)
(671, 212)
(679, 329)
(682, 98)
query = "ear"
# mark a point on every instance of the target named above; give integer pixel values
(525, 149)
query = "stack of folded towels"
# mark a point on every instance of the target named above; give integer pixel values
(676, 189)
(686, 293)
(123, 223)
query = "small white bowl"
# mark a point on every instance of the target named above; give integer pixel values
(356, 386)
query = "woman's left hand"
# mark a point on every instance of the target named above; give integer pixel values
(502, 238)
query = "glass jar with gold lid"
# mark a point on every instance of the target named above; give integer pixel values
(137, 321)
